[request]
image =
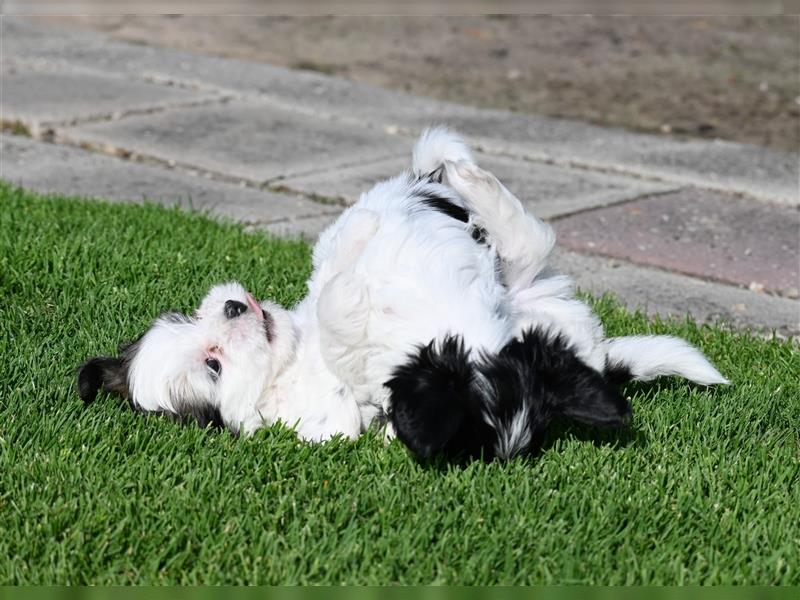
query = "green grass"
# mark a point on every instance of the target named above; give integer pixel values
(701, 489)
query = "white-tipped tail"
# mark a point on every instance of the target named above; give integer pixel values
(435, 146)
(649, 356)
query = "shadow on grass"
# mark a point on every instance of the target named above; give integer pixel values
(561, 430)
(558, 432)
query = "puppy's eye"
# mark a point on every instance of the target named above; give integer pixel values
(213, 364)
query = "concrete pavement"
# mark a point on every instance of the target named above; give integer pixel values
(672, 226)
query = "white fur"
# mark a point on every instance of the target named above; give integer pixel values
(522, 241)
(169, 367)
(389, 275)
(651, 356)
(436, 147)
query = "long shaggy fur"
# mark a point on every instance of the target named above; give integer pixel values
(435, 147)
(499, 405)
(430, 302)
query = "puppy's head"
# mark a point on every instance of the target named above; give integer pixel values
(215, 366)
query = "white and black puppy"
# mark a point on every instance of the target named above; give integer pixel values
(429, 305)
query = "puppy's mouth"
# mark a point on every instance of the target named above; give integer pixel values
(267, 322)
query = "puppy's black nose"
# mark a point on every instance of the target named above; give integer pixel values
(233, 308)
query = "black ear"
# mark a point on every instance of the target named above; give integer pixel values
(102, 371)
(588, 399)
(428, 398)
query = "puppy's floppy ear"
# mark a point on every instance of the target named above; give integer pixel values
(566, 385)
(587, 398)
(102, 371)
(428, 396)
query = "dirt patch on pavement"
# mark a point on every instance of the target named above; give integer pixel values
(734, 78)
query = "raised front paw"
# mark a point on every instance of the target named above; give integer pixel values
(343, 309)
(471, 182)
(359, 228)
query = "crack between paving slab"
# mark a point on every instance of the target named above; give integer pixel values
(42, 129)
(273, 184)
(313, 196)
(45, 66)
(781, 330)
(545, 159)
(616, 203)
(262, 222)
(680, 181)
(155, 78)
(61, 138)
(279, 184)
(345, 165)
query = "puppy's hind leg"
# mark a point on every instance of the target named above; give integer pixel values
(522, 241)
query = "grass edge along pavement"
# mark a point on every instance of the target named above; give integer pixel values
(701, 488)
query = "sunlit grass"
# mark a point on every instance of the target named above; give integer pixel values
(701, 489)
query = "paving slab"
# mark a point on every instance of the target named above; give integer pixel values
(700, 233)
(307, 228)
(671, 295)
(72, 171)
(27, 42)
(547, 191)
(764, 174)
(247, 139)
(39, 98)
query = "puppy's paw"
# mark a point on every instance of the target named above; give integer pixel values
(475, 185)
(343, 309)
(468, 172)
(358, 230)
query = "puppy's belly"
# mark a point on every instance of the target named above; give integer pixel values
(426, 278)
(438, 283)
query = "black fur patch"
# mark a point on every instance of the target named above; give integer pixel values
(435, 176)
(430, 393)
(98, 372)
(546, 375)
(205, 415)
(446, 207)
(499, 405)
(617, 373)
(108, 373)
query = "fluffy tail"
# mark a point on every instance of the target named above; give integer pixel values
(500, 405)
(435, 146)
(645, 357)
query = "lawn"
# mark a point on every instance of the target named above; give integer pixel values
(701, 489)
